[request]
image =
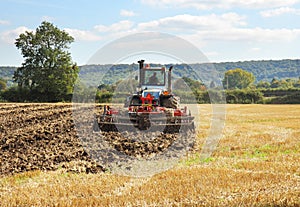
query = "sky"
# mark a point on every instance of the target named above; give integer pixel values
(224, 30)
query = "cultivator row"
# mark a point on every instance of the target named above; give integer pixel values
(145, 122)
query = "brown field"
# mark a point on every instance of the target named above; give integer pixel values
(257, 163)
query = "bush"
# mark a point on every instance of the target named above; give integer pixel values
(232, 96)
(17, 94)
(280, 92)
(287, 99)
(103, 97)
(2, 85)
(202, 97)
(244, 96)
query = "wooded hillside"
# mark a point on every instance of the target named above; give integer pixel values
(262, 70)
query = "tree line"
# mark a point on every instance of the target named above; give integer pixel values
(263, 70)
(239, 87)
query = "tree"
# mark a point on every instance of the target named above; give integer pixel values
(275, 83)
(2, 84)
(48, 71)
(194, 84)
(263, 84)
(237, 78)
(297, 83)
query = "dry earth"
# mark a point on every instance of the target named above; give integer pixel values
(257, 162)
(44, 137)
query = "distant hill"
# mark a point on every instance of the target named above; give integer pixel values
(263, 70)
(106, 74)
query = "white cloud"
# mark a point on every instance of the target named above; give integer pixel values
(83, 35)
(210, 28)
(250, 35)
(224, 4)
(4, 22)
(280, 11)
(212, 54)
(202, 29)
(259, 4)
(124, 25)
(11, 35)
(127, 13)
(255, 49)
(187, 23)
(79, 35)
(182, 3)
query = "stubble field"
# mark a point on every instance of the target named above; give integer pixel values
(256, 163)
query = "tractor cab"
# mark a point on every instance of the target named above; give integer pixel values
(154, 86)
(153, 77)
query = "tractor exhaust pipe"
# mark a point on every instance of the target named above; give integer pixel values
(169, 79)
(141, 64)
(141, 74)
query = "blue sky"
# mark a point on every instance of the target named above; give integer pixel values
(224, 30)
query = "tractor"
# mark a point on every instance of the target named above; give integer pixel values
(153, 107)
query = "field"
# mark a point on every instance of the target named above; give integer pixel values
(256, 163)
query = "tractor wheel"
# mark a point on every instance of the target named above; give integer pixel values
(171, 102)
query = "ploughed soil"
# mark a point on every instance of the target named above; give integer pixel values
(44, 137)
